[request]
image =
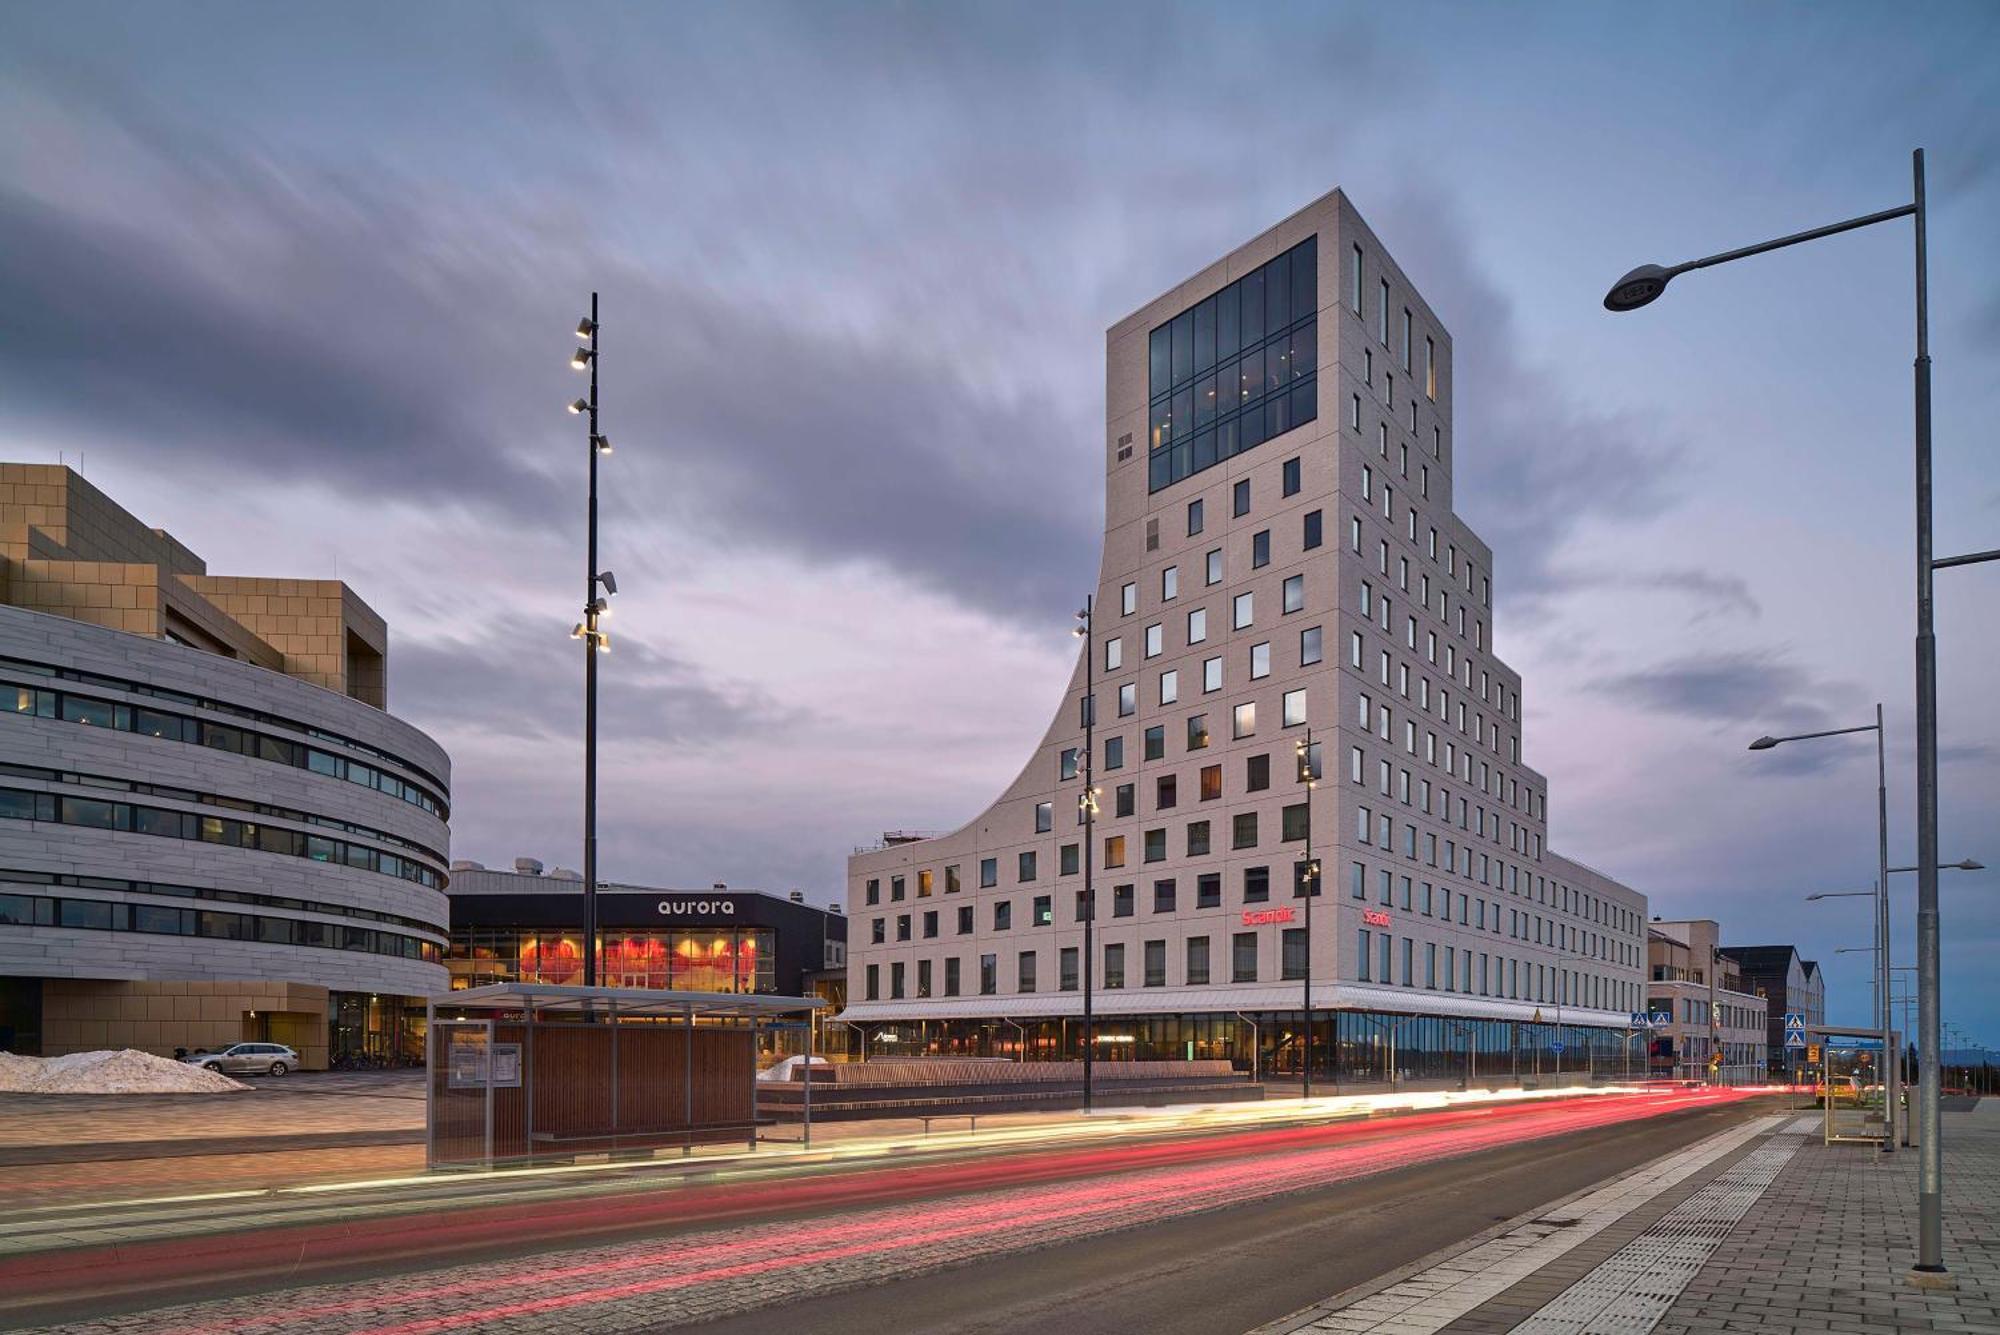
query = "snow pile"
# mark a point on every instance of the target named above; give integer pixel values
(126, 1072)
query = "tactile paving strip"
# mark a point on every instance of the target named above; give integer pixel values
(1631, 1291)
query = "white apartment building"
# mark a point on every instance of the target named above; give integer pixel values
(1281, 562)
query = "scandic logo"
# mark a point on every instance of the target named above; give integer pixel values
(1375, 917)
(724, 907)
(1259, 917)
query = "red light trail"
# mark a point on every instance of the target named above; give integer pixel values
(1004, 1203)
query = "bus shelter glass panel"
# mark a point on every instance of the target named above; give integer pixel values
(461, 1077)
(1853, 1089)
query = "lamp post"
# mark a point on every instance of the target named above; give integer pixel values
(1308, 774)
(1087, 808)
(1639, 288)
(1881, 883)
(596, 605)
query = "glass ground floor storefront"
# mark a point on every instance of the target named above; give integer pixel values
(370, 1029)
(1347, 1047)
(685, 959)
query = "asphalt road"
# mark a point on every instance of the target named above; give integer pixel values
(1217, 1231)
(1232, 1270)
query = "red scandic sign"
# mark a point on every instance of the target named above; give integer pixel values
(1259, 917)
(1375, 917)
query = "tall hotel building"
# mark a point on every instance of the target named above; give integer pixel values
(1280, 554)
(211, 829)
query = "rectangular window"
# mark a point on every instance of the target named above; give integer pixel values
(1257, 773)
(1067, 967)
(1125, 800)
(1292, 953)
(1128, 699)
(1313, 536)
(1114, 753)
(1114, 653)
(1211, 675)
(1024, 980)
(1309, 646)
(1156, 742)
(1241, 497)
(1154, 846)
(1026, 867)
(1197, 961)
(1290, 473)
(1214, 564)
(1128, 599)
(1194, 519)
(1354, 288)
(989, 873)
(1260, 549)
(1256, 885)
(1170, 584)
(1294, 594)
(1170, 687)
(1197, 732)
(1260, 661)
(1114, 966)
(1243, 958)
(1045, 817)
(1292, 822)
(1363, 953)
(1243, 611)
(1114, 850)
(989, 975)
(1003, 916)
(1211, 782)
(1197, 625)
(1245, 720)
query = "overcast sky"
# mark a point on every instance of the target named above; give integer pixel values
(296, 284)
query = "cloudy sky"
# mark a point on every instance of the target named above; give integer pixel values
(296, 284)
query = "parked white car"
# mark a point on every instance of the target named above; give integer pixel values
(248, 1059)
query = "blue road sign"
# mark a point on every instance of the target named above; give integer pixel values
(1795, 1030)
(1641, 1020)
(1555, 1047)
(1661, 1019)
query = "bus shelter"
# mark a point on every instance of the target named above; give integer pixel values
(529, 1072)
(1857, 1082)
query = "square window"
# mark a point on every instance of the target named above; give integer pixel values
(1243, 830)
(1154, 846)
(1246, 719)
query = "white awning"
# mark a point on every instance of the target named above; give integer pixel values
(1226, 1000)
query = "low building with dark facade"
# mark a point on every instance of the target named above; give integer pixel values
(1789, 985)
(527, 926)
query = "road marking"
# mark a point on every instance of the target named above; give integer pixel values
(1437, 1295)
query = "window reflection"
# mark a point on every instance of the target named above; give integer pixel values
(718, 959)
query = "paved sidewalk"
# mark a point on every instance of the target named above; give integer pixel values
(1765, 1229)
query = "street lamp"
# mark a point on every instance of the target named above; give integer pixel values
(1881, 883)
(1966, 864)
(1639, 288)
(1308, 774)
(1086, 803)
(596, 606)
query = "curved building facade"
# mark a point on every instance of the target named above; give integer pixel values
(199, 842)
(1282, 562)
